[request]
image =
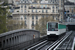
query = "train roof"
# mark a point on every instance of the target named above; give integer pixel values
(52, 22)
(62, 23)
(57, 22)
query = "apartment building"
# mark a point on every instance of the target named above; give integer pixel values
(30, 11)
(69, 9)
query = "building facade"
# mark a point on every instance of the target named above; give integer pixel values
(69, 9)
(30, 11)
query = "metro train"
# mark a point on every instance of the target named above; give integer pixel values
(55, 30)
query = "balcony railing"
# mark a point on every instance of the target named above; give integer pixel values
(38, 8)
(34, 13)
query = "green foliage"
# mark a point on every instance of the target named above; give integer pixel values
(3, 20)
(41, 26)
(15, 24)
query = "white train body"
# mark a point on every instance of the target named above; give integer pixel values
(55, 29)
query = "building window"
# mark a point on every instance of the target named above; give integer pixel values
(32, 17)
(17, 11)
(43, 16)
(21, 10)
(56, 7)
(25, 10)
(21, 1)
(25, 6)
(21, 18)
(25, 16)
(46, 15)
(32, 10)
(53, 7)
(25, 22)
(35, 6)
(25, 1)
(17, 3)
(46, 11)
(31, 6)
(45, 6)
(72, 10)
(53, 10)
(53, 17)
(32, 27)
(36, 11)
(61, 3)
(36, 17)
(53, 1)
(42, 11)
(21, 6)
(56, 10)
(36, 22)
(61, 18)
(41, 6)
(32, 23)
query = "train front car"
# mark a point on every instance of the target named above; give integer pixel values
(55, 30)
(52, 30)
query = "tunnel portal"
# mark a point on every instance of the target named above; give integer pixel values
(71, 27)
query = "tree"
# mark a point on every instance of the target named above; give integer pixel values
(42, 24)
(3, 20)
(15, 24)
(74, 10)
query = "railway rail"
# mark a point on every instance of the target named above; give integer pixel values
(68, 44)
(57, 43)
(66, 41)
(36, 46)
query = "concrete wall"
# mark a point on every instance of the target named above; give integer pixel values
(16, 37)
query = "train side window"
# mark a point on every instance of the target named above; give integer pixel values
(0, 44)
(56, 25)
(49, 25)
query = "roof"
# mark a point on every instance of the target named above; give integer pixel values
(69, 23)
(52, 22)
(69, 3)
(27, 1)
(73, 17)
(41, 2)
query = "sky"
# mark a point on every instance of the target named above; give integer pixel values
(72, 1)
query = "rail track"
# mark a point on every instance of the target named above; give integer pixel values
(58, 42)
(68, 44)
(54, 45)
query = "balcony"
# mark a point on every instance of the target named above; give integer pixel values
(19, 13)
(47, 13)
(39, 8)
(36, 13)
(16, 7)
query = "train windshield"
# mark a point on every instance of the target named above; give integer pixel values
(52, 26)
